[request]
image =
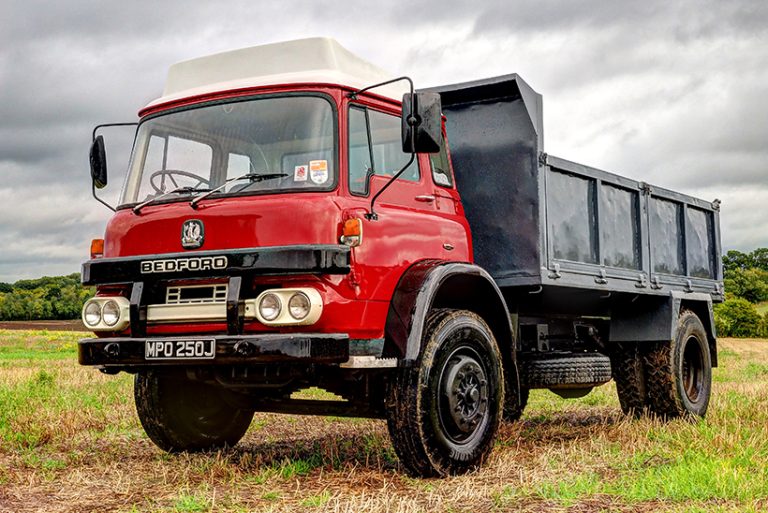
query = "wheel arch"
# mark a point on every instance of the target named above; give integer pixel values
(437, 284)
(655, 318)
(705, 313)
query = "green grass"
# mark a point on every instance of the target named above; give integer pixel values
(37, 345)
(69, 430)
(315, 501)
(191, 503)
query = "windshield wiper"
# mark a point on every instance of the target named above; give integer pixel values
(253, 177)
(178, 190)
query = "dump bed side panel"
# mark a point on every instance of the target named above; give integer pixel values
(607, 231)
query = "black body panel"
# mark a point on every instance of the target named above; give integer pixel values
(126, 352)
(538, 220)
(495, 141)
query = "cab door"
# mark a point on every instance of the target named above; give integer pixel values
(412, 223)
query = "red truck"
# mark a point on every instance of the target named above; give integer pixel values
(293, 217)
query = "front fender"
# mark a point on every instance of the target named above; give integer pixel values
(437, 284)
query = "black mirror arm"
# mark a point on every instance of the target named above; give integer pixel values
(354, 94)
(93, 191)
(93, 139)
(372, 215)
(105, 125)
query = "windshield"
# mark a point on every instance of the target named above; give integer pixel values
(290, 138)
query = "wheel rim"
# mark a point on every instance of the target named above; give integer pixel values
(463, 402)
(693, 369)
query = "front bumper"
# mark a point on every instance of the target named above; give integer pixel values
(125, 352)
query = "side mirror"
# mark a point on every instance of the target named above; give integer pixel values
(98, 158)
(425, 123)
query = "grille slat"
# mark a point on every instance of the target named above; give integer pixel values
(196, 294)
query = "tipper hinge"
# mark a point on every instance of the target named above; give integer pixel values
(543, 158)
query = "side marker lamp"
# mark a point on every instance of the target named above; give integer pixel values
(352, 232)
(97, 248)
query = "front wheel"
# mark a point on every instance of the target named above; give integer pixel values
(180, 414)
(443, 415)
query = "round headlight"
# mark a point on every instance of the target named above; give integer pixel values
(269, 307)
(299, 305)
(92, 313)
(110, 313)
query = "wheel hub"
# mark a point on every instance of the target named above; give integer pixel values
(693, 365)
(465, 388)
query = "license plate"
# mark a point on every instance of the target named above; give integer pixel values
(189, 349)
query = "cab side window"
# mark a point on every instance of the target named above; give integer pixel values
(441, 166)
(375, 148)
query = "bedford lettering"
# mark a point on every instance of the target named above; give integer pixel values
(176, 265)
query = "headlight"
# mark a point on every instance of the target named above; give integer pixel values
(301, 306)
(110, 313)
(269, 307)
(92, 313)
(107, 313)
(298, 306)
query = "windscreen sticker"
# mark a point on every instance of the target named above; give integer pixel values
(318, 171)
(300, 174)
(441, 179)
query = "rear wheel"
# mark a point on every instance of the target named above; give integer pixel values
(179, 414)
(629, 374)
(443, 415)
(679, 372)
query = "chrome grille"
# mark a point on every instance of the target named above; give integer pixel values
(196, 294)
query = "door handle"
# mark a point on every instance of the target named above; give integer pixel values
(425, 198)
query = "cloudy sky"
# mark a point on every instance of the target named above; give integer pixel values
(673, 93)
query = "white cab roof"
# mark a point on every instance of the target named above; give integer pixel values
(316, 60)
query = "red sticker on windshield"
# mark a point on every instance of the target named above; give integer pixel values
(300, 174)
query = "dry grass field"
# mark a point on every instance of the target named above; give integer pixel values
(70, 441)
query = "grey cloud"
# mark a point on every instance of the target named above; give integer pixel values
(685, 20)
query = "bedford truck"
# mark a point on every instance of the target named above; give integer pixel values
(294, 217)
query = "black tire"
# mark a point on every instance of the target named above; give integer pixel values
(679, 372)
(513, 409)
(628, 368)
(179, 414)
(443, 415)
(576, 369)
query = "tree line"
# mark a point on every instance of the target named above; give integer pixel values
(49, 297)
(746, 287)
